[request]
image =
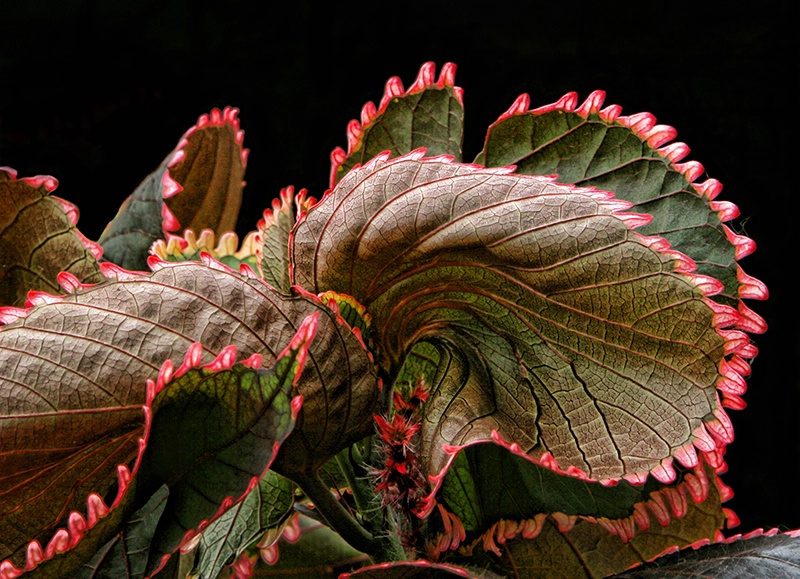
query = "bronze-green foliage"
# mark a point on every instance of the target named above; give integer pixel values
(549, 337)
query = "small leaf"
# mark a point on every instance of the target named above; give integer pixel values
(429, 115)
(38, 239)
(216, 429)
(418, 570)
(266, 507)
(125, 556)
(198, 186)
(767, 555)
(226, 251)
(275, 229)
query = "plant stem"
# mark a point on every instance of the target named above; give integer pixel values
(337, 516)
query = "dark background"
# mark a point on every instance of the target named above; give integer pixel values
(97, 93)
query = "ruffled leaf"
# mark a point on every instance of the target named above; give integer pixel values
(38, 239)
(545, 548)
(275, 229)
(558, 327)
(430, 115)
(227, 250)
(198, 186)
(73, 369)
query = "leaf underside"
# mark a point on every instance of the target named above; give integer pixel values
(432, 118)
(208, 172)
(776, 557)
(556, 325)
(589, 550)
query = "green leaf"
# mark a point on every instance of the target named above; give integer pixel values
(266, 507)
(557, 326)
(767, 555)
(38, 239)
(418, 570)
(73, 370)
(198, 186)
(588, 549)
(429, 115)
(125, 556)
(216, 429)
(126, 240)
(630, 156)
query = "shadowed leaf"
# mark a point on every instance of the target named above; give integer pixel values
(418, 570)
(430, 115)
(556, 325)
(72, 375)
(589, 550)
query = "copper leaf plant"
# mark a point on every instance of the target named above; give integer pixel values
(515, 366)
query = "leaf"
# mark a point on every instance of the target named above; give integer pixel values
(767, 555)
(588, 549)
(486, 483)
(204, 176)
(429, 115)
(216, 429)
(417, 570)
(125, 556)
(319, 553)
(275, 229)
(38, 239)
(198, 186)
(226, 251)
(633, 157)
(557, 326)
(266, 507)
(73, 369)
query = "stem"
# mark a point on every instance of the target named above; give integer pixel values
(361, 495)
(334, 512)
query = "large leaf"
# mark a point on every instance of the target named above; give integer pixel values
(633, 157)
(760, 555)
(198, 186)
(38, 239)
(587, 549)
(559, 327)
(430, 115)
(73, 369)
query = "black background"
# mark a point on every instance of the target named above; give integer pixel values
(97, 93)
